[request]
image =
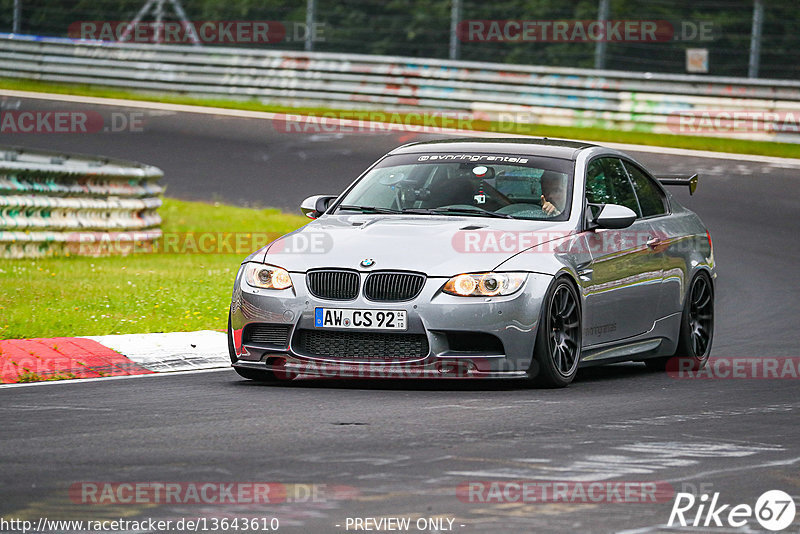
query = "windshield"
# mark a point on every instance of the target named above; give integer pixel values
(522, 187)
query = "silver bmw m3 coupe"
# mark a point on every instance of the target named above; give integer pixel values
(481, 258)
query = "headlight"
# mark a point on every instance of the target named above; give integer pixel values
(267, 276)
(484, 284)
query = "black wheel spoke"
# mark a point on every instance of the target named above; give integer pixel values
(566, 360)
(698, 293)
(569, 310)
(562, 302)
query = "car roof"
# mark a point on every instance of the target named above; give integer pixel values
(542, 146)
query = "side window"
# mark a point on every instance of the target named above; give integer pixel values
(618, 178)
(650, 196)
(596, 190)
(607, 183)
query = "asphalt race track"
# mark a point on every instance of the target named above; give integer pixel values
(401, 449)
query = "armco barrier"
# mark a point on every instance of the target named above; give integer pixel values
(545, 95)
(53, 203)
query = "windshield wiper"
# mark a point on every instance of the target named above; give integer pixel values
(428, 211)
(471, 211)
(420, 211)
(368, 209)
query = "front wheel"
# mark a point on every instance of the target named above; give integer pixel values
(558, 342)
(697, 327)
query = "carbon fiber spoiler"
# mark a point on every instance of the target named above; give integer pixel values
(679, 179)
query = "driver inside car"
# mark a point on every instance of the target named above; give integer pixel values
(554, 193)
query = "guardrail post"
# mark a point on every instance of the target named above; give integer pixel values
(311, 15)
(600, 46)
(755, 39)
(455, 18)
(15, 28)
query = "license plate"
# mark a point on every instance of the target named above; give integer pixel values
(361, 319)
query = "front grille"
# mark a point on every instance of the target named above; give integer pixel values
(267, 334)
(333, 285)
(393, 286)
(362, 345)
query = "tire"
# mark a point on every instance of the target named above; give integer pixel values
(697, 327)
(557, 351)
(250, 374)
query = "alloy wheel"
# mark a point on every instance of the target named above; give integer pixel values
(564, 334)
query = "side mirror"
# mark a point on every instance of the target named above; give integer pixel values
(313, 207)
(614, 216)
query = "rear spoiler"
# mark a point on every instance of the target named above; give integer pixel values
(679, 179)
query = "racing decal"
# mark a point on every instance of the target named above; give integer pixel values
(472, 157)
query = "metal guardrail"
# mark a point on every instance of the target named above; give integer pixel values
(53, 203)
(545, 95)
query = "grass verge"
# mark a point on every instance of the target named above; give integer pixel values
(588, 133)
(183, 291)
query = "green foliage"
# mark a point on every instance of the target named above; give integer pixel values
(421, 28)
(30, 376)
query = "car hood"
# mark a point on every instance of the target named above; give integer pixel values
(435, 245)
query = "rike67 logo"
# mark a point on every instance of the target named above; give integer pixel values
(774, 510)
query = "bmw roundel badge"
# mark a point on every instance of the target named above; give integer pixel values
(369, 262)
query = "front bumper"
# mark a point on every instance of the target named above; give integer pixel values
(445, 320)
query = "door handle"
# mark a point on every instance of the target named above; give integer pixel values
(653, 242)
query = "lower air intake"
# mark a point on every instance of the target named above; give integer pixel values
(362, 345)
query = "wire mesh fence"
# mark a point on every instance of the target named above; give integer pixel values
(508, 31)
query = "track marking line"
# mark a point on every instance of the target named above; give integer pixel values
(127, 377)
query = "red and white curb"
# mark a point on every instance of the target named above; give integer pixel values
(34, 360)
